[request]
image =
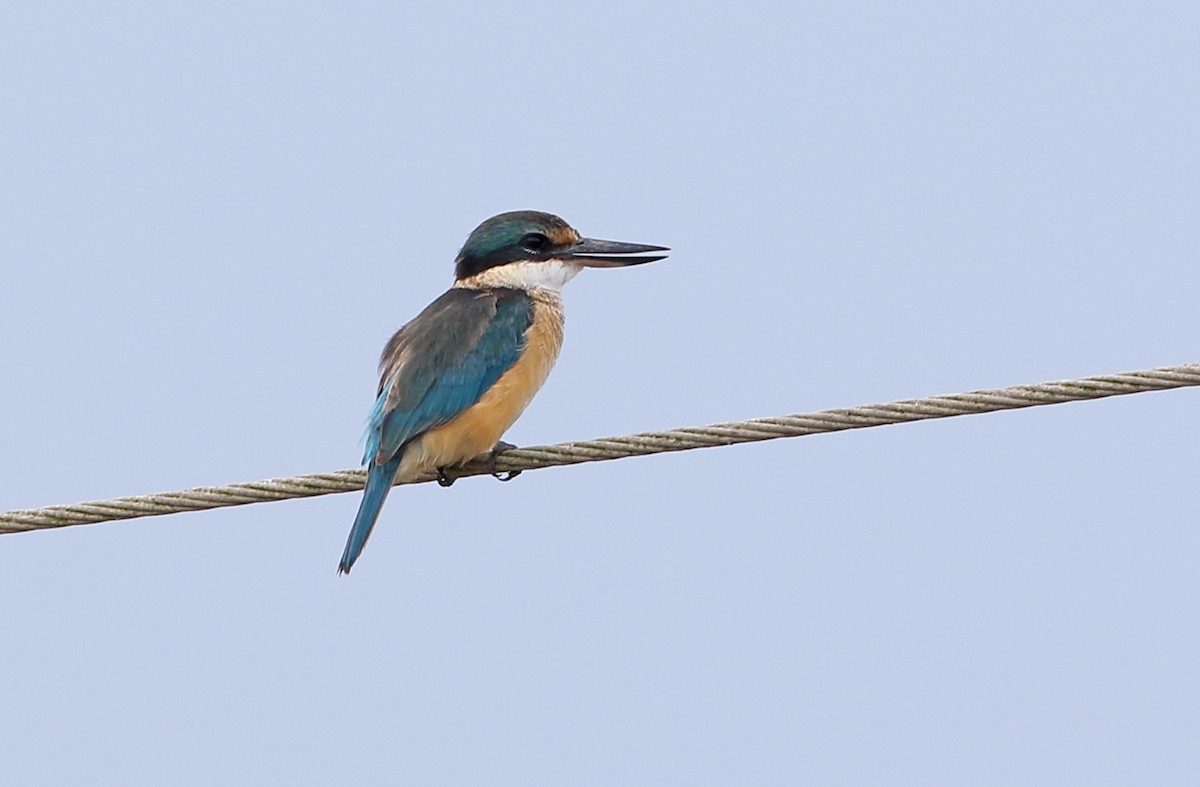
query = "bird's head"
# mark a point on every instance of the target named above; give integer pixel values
(527, 248)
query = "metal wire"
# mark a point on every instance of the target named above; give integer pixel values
(682, 439)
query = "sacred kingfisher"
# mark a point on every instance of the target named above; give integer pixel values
(455, 378)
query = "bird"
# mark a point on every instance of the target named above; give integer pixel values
(458, 375)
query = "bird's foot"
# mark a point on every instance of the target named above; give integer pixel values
(446, 477)
(500, 448)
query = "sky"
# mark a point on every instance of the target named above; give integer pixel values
(214, 215)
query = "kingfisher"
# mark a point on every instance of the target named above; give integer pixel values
(457, 376)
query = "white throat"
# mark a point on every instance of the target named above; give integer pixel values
(525, 275)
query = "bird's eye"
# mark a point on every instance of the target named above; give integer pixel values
(535, 241)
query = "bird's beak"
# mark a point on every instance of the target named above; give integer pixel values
(612, 254)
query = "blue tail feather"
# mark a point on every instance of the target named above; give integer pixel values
(379, 483)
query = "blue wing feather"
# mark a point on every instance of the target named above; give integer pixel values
(453, 387)
(434, 368)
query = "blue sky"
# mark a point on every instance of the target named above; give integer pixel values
(215, 215)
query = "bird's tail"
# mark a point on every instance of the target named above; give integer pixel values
(379, 482)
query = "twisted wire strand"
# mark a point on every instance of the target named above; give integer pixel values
(603, 449)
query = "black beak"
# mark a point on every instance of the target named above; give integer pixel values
(612, 254)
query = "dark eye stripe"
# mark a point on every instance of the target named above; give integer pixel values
(535, 242)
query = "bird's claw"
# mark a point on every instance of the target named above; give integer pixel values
(444, 477)
(500, 448)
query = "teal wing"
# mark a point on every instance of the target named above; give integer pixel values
(434, 368)
(442, 362)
